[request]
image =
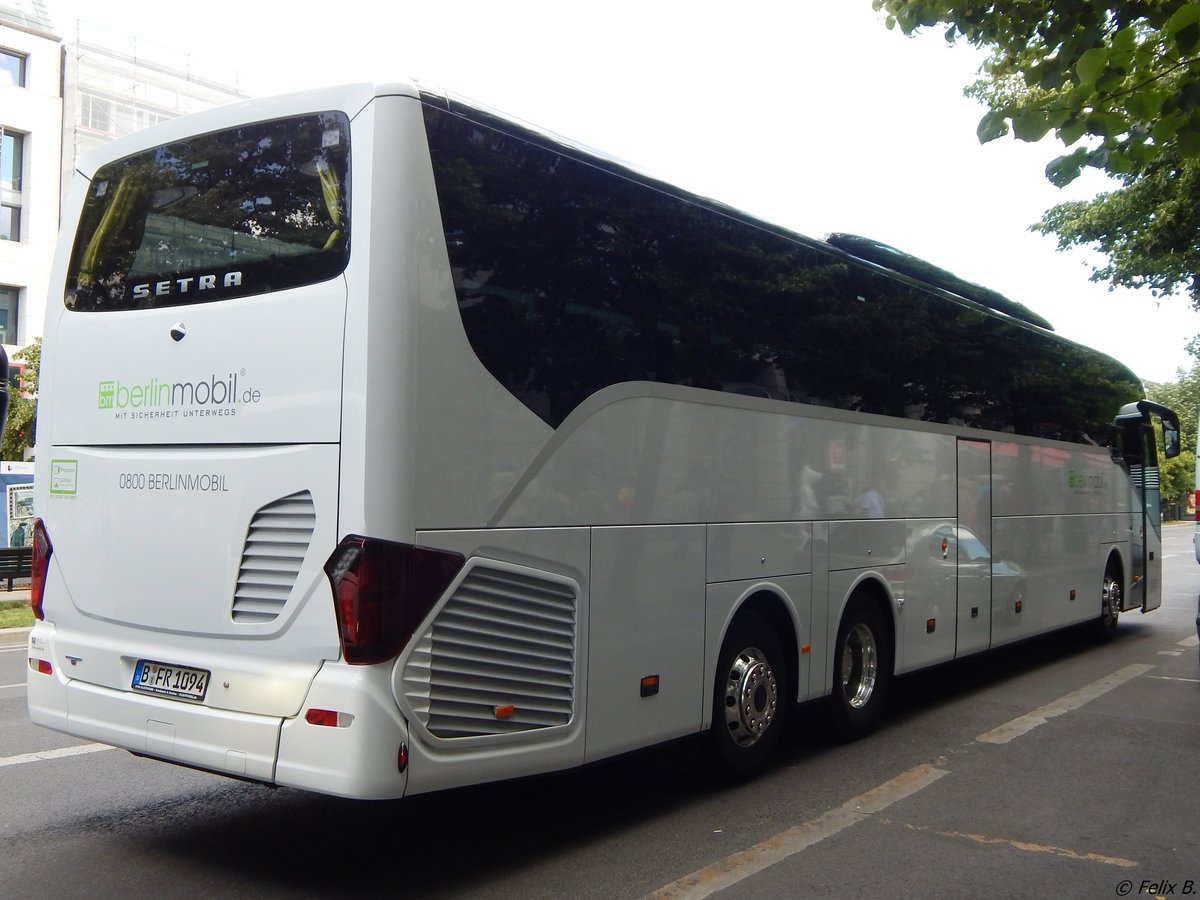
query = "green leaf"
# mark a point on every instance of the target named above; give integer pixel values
(1107, 123)
(1098, 158)
(1091, 65)
(1145, 104)
(1072, 130)
(1120, 62)
(1058, 116)
(1187, 38)
(992, 126)
(1187, 139)
(1117, 164)
(1109, 82)
(1187, 14)
(928, 16)
(1165, 128)
(1066, 169)
(1125, 39)
(1031, 125)
(1081, 96)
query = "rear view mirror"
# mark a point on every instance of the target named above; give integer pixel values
(1170, 436)
(1140, 416)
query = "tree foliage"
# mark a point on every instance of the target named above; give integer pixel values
(21, 426)
(1118, 83)
(1178, 476)
(1125, 73)
(1149, 230)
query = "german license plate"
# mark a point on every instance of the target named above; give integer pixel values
(169, 680)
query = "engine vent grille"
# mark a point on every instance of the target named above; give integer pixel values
(276, 543)
(499, 657)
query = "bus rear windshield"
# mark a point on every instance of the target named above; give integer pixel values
(233, 213)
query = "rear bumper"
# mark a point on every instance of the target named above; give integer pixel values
(214, 739)
(358, 759)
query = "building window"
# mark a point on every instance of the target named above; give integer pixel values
(12, 69)
(12, 154)
(114, 118)
(10, 222)
(96, 114)
(9, 300)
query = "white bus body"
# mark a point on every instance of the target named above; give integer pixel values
(232, 488)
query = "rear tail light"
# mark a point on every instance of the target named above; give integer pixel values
(1198, 505)
(381, 592)
(329, 718)
(42, 551)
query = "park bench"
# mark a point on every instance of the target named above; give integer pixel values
(15, 562)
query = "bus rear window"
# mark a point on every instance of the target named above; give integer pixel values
(257, 208)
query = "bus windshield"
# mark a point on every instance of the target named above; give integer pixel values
(239, 212)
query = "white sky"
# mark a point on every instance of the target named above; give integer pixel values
(808, 113)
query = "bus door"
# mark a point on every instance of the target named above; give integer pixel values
(974, 546)
(1137, 448)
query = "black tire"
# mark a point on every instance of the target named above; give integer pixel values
(751, 698)
(862, 669)
(1111, 592)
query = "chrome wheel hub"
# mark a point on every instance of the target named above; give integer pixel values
(751, 696)
(1112, 599)
(860, 666)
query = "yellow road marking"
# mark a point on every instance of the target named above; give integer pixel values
(741, 865)
(1031, 847)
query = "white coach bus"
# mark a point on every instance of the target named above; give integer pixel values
(386, 445)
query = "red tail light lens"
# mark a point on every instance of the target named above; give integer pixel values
(382, 590)
(42, 551)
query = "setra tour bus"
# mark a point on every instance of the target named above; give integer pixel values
(388, 445)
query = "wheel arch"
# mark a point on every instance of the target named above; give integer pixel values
(771, 603)
(876, 589)
(1115, 560)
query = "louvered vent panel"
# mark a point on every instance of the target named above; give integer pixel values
(504, 639)
(276, 543)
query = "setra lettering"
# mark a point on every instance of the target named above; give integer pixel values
(186, 285)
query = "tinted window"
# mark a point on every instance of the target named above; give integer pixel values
(253, 209)
(572, 275)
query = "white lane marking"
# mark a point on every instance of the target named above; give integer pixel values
(43, 755)
(1169, 678)
(19, 684)
(1065, 704)
(1190, 641)
(20, 649)
(741, 865)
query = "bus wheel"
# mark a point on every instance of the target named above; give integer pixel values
(1110, 607)
(750, 699)
(862, 669)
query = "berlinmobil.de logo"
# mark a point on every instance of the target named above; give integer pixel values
(211, 395)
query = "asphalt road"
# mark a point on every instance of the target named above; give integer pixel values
(1056, 768)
